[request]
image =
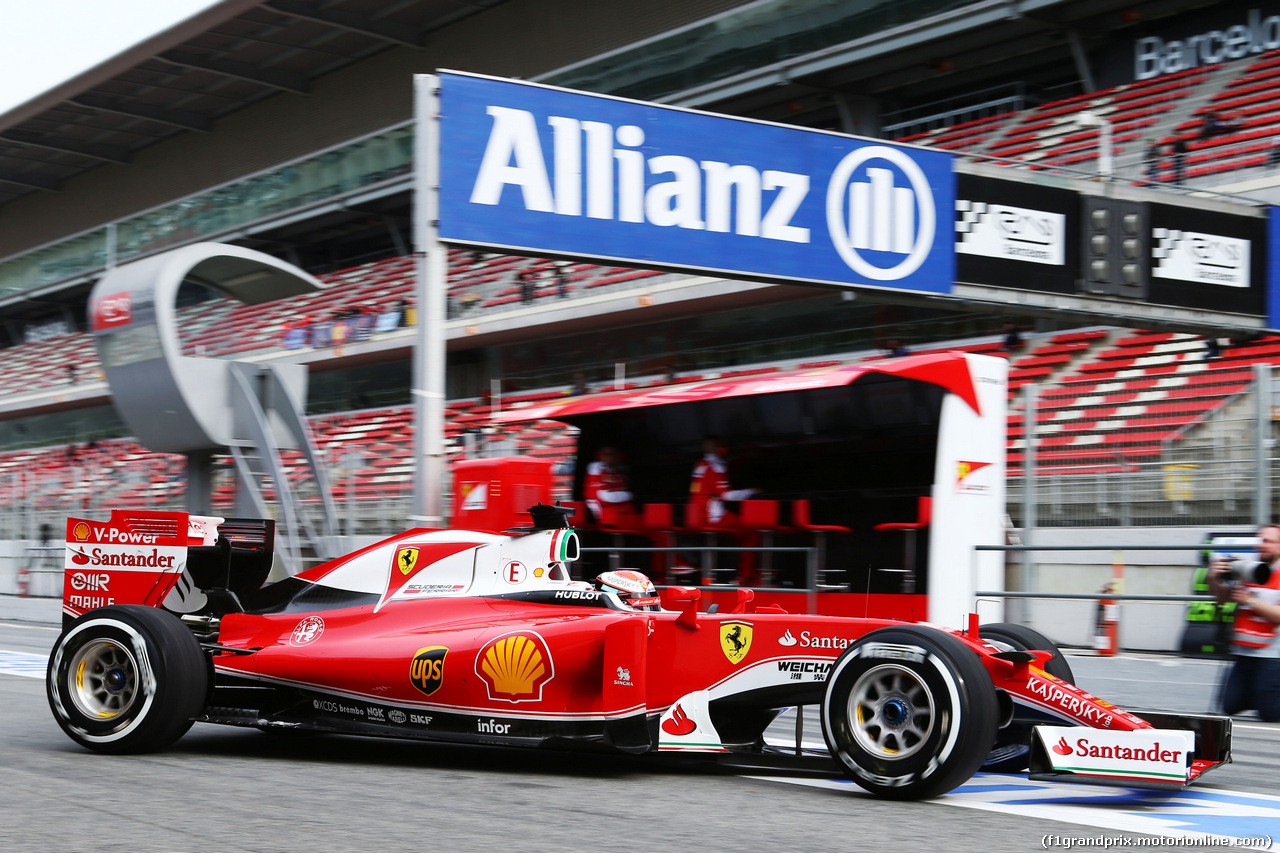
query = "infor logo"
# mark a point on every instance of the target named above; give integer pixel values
(880, 213)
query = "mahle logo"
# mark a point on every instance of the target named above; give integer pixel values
(426, 671)
(880, 213)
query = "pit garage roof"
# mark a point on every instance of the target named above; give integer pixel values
(233, 54)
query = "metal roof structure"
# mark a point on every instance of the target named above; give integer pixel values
(233, 54)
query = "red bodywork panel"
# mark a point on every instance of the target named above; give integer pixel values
(478, 636)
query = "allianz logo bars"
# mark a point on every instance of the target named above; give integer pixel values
(540, 169)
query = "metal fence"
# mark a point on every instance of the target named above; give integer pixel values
(1173, 449)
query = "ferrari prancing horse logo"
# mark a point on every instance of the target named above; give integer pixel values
(735, 640)
(407, 560)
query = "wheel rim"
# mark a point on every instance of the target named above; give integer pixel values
(892, 711)
(103, 679)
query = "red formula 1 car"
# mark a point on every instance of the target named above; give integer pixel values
(466, 636)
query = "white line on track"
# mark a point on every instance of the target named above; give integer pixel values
(1194, 813)
(23, 663)
(28, 626)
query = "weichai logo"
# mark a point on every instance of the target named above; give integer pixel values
(426, 670)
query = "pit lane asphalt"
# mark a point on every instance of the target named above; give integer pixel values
(222, 789)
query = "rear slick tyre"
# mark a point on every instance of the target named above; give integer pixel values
(126, 679)
(909, 712)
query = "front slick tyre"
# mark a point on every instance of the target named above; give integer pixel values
(910, 712)
(126, 679)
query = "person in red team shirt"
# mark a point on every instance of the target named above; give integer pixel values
(709, 490)
(710, 485)
(606, 491)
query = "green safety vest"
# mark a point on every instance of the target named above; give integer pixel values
(1207, 611)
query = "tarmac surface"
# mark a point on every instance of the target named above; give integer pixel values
(224, 789)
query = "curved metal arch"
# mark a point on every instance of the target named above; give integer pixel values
(187, 404)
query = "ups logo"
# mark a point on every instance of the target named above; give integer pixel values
(426, 671)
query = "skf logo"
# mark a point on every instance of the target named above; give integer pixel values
(735, 640)
(407, 560)
(880, 213)
(963, 471)
(426, 671)
(81, 532)
(516, 667)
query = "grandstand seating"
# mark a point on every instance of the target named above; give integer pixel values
(1251, 104)
(1107, 399)
(1049, 135)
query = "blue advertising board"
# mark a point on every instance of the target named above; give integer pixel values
(545, 170)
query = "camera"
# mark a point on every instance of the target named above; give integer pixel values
(1245, 571)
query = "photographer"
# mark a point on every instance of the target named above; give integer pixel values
(1254, 678)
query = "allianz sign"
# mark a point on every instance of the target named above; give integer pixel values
(548, 170)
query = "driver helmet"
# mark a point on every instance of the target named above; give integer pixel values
(630, 586)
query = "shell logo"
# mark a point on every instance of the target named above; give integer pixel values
(515, 667)
(80, 531)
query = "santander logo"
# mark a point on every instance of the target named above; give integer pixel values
(679, 723)
(787, 639)
(1062, 747)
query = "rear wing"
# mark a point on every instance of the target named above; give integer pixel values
(161, 559)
